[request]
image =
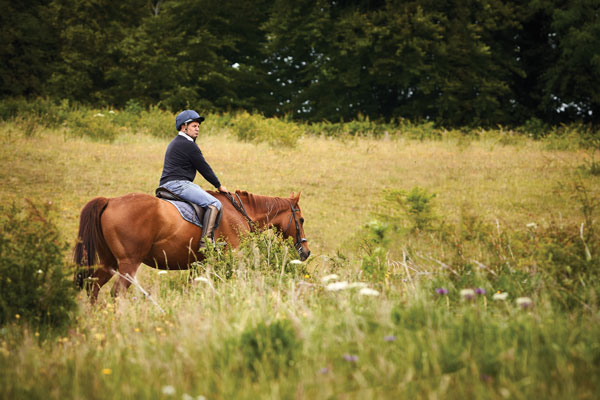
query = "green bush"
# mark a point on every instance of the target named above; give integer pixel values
(270, 348)
(256, 128)
(95, 125)
(263, 251)
(33, 284)
(156, 122)
(41, 112)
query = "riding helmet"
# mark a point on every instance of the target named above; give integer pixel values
(187, 116)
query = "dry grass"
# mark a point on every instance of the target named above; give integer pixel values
(341, 181)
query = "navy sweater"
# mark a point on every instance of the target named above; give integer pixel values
(182, 159)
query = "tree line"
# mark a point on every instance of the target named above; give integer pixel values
(456, 63)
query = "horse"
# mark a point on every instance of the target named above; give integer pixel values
(123, 232)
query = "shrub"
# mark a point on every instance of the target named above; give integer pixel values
(95, 125)
(33, 284)
(416, 205)
(156, 122)
(263, 251)
(256, 128)
(270, 348)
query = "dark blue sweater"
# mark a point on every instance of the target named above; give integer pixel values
(182, 159)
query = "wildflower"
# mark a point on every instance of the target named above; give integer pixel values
(486, 378)
(524, 302)
(389, 338)
(307, 276)
(98, 115)
(39, 271)
(324, 370)
(17, 316)
(368, 292)
(111, 112)
(107, 371)
(441, 291)
(137, 329)
(500, 296)
(350, 357)
(162, 272)
(480, 291)
(467, 294)
(532, 225)
(168, 390)
(328, 278)
(295, 262)
(333, 287)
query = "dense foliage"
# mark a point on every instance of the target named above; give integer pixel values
(456, 63)
(33, 286)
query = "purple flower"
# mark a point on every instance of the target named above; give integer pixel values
(350, 357)
(324, 370)
(480, 291)
(441, 291)
(389, 338)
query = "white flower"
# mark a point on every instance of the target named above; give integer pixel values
(162, 272)
(39, 271)
(333, 287)
(368, 292)
(296, 262)
(99, 115)
(500, 296)
(328, 278)
(524, 302)
(467, 294)
(201, 279)
(168, 390)
(111, 112)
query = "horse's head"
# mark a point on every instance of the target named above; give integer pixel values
(291, 224)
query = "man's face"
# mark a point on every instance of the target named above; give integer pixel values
(192, 129)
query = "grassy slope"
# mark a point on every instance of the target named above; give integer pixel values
(341, 181)
(442, 349)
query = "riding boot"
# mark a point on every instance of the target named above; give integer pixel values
(208, 226)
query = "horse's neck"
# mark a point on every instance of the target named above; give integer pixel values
(263, 209)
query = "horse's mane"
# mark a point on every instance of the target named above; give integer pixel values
(265, 204)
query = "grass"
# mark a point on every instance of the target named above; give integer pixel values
(262, 334)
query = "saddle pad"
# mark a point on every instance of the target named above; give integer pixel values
(186, 211)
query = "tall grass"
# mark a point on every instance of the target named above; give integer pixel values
(420, 232)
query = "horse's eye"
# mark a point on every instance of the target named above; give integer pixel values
(302, 221)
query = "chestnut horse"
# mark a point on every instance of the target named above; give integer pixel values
(124, 232)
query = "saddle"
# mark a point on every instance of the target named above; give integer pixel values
(166, 194)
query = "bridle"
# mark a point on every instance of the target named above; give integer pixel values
(299, 240)
(238, 205)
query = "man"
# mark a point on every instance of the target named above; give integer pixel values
(182, 159)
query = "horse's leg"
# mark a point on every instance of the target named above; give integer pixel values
(129, 269)
(99, 279)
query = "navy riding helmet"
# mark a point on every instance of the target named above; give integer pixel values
(187, 116)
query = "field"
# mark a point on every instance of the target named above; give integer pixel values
(441, 318)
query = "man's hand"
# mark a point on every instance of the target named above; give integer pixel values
(222, 189)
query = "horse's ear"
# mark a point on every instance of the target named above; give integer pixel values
(296, 197)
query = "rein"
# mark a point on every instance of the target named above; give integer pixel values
(240, 207)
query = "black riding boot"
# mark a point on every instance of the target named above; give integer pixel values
(208, 226)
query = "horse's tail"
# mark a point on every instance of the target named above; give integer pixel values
(90, 240)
